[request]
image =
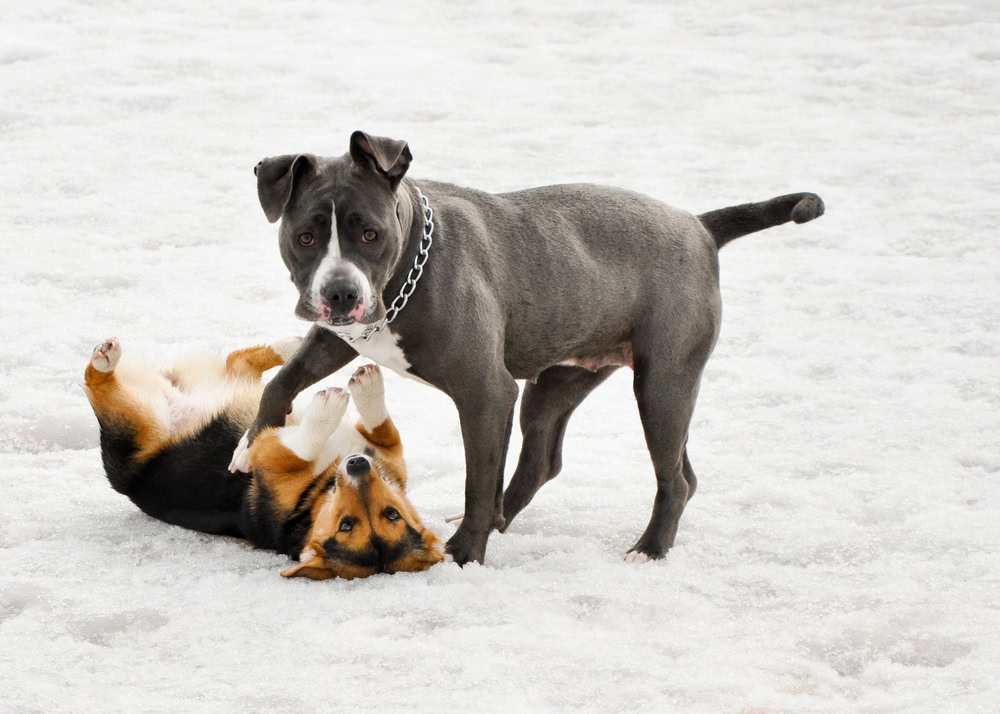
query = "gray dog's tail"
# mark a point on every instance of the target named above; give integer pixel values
(735, 221)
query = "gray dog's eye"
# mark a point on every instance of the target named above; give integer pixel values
(306, 239)
(369, 236)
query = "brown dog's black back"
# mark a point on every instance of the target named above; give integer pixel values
(187, 483)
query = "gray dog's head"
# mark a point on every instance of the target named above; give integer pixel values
(343, 226)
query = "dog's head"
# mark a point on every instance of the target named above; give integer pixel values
(343, 225)
(363, 525)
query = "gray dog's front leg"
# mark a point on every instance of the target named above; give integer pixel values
(321, 354)
(487, 416)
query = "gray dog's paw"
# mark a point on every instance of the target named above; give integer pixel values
(634, 556)
(467, 546)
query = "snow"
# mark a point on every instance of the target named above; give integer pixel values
(841, 552)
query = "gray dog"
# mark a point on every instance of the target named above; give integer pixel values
(559, 285)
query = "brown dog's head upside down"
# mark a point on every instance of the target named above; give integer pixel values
(324, 488)
(364, 524)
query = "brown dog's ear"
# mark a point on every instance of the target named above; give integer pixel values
(314, 568)
(388, 157)
(276, 179)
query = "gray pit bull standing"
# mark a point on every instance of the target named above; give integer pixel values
(559, 285)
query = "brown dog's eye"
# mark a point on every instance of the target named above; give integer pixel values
(306, 239)
(346, 525)
(391, 513)
(369, 236)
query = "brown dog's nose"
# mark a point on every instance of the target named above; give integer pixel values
(358, 466)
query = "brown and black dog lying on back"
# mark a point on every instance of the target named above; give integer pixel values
(324, 489)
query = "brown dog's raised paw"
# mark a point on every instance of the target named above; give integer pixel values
(106, 355)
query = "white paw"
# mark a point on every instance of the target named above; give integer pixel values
(106, 355)
(320, 420)
(368, 391)
(287, 347)
(241, 456)
(448, 558)
(326, 409)
(634, 556)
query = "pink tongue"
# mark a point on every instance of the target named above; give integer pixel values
(358, 312)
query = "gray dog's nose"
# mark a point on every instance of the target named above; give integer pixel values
(341, 294)
(357, 466)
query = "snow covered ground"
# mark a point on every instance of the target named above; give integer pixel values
(841, 553)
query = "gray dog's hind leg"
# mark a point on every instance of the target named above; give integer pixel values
(666, 395)
(545, 410)
(689, 475)
(486, 415)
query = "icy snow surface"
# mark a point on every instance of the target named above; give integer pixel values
(841, 553)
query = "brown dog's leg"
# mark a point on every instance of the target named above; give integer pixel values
(130, 406)
(252, 362)
(375, 424)
(368, 392)
(279, 472)
(303, 441)
(284, 459)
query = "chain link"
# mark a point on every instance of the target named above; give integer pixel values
(411, 279)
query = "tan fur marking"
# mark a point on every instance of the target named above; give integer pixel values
(94, 377)
(385, 438)
(114, 403)
(283, 473)
(252, 362)
(385, 435)
(392, 465)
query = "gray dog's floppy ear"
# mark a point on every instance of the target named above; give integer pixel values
(276, 179)
(389, 157)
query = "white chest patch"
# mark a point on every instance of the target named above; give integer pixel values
(383, 349)
(344, 441)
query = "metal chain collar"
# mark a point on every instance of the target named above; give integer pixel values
(411, 279)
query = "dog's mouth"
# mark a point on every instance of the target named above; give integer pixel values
(309, 309)
(359, 316)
